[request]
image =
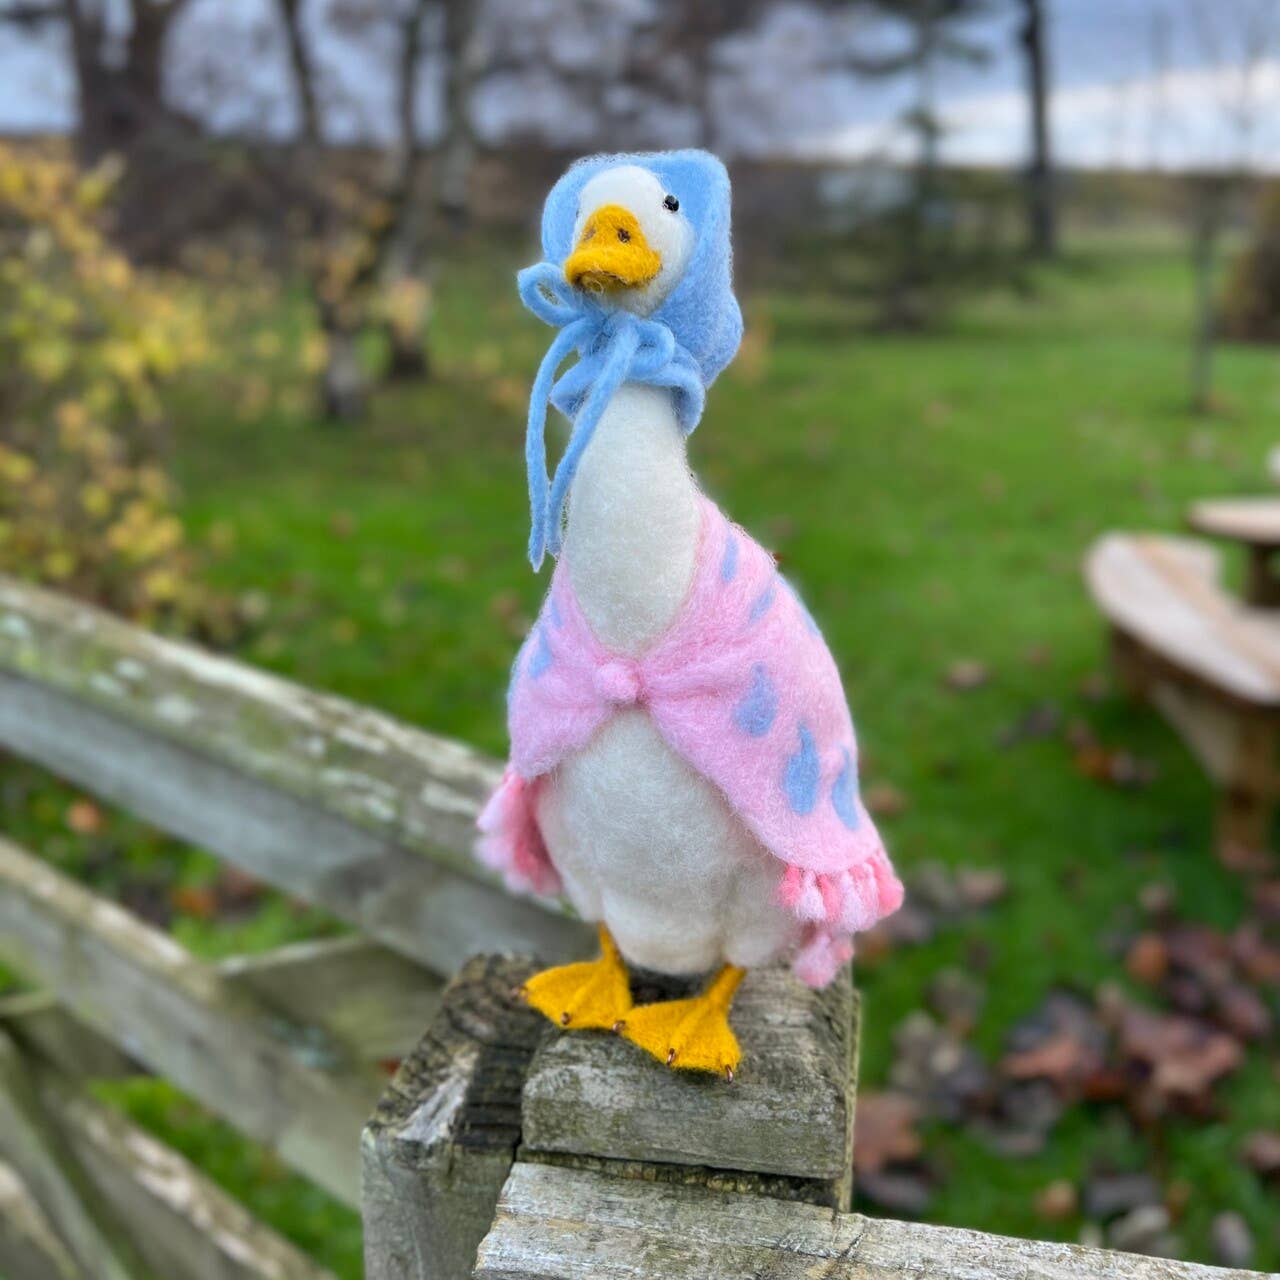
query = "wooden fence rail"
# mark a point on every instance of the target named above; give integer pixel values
(331, 802)
(559, 1157)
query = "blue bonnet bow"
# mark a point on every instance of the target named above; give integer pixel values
(682, 345)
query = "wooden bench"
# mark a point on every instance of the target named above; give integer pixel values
(1254, 523)
(1209, 662)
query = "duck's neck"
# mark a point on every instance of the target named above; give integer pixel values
(633, 521)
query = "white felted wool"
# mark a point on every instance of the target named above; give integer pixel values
(683, 761)
(642, 841)
(651, 848)
(634, 520)
(640, 193)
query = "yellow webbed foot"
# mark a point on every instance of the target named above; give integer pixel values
(691, 1034)
(590, 995)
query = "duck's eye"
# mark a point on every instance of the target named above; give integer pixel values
(671, 203)
(624, 235)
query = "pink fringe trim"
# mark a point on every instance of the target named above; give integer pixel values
(510, 842)
(836, 906)
(850, 900)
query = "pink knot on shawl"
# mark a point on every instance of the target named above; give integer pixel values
(743, 688)
(619, 682)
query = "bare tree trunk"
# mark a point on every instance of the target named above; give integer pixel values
(458, 149)
(1206, 224)
(390, 236)
(1041, 196)
(343, 388)
(118, 104)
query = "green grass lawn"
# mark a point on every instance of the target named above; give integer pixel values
(931, 497)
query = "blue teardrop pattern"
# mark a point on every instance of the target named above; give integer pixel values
(763, 602)
(553, 612)
(802, 775)
(755, 714)
(844, 792)
(542, 657)
(729, 563)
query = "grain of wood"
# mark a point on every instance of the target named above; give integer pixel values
(372, 1001)
(29, 1246)
(789, 1112)
(185, 1227)
(392, 893)
(1165, 593)
(335, 803)
(137, 987)
(32, 1142)
(580, 1226)
(441, 1142)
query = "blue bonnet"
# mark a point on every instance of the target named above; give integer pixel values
(683, 344)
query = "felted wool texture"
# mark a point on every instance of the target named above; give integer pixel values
(678, 331)
(743, 689)
(701, 310)
(634, 520)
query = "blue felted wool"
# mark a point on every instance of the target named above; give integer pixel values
(683, 345)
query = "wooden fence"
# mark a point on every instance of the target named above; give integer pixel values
(333, 803)
(371, 820)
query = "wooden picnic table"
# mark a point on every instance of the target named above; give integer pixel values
(1255, 524)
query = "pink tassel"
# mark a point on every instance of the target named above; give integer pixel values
(810, 905)
(790, 887)
(821, 958)
(510, 841)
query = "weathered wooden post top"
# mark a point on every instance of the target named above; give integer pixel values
(496, 1122)
(506, 1151)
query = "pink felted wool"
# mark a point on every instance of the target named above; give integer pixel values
(743, 688)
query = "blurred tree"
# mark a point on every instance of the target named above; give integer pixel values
(916, 240)
(1238, 40)
(1251, 305)
(1041, 194)
(117, 50)
(86, 344)
(354, 238)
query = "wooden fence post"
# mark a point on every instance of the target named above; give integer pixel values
(604, 1164)
(441, 1143)
(492, 1083)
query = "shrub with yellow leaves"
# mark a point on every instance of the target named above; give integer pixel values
(86, 345)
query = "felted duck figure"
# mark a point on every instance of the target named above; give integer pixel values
(683, 764)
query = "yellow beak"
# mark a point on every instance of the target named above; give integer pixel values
(611, 253)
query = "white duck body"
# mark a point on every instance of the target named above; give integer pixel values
(642, 842)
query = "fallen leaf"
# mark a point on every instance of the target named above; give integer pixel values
(907, 1192)
(1062, 1059)
(1057, 1201)
(1245, 860)
(1108, 1194)
(883, 800)
(1261, 1152)
(966, 674)
(85, 818)
(980, 887)
(957, 998)
(1148, 959)
(1186, 1057)
(1231, 1239)
(198, 901)
(1039, 721)
(885, 1131)
(1143, 1230)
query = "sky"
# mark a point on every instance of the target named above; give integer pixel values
(1137, 83)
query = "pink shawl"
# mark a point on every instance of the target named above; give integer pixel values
(744, 688)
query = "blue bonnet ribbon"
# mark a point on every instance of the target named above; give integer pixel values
(613, 347)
